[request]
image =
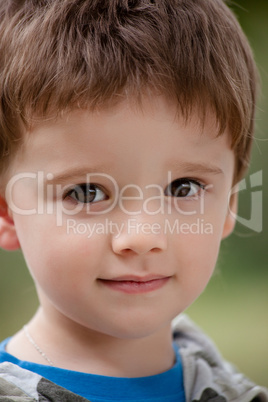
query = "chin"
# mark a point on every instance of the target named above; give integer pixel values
(139, 327)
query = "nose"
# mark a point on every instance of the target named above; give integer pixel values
(137, 237)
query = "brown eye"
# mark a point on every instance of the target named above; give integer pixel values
(183, 188)
(86, 193)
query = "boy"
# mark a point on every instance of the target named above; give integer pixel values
(124, 126)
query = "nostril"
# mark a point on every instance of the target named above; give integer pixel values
(132, 251)
(127, 251)
(155, 250)
(129, 245)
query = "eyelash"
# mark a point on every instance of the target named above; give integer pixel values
(85, 193)
(88, 193)
(184, 185)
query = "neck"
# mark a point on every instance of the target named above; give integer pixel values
(77, 348)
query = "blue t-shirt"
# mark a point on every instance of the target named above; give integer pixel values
(164, 387)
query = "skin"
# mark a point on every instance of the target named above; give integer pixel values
(82, 324)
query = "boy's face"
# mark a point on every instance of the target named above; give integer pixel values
(128, 253)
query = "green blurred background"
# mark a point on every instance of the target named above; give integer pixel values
(234, 308)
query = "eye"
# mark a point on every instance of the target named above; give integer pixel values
(183, 188)
(86, 193)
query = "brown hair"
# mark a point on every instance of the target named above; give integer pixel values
(57, 55)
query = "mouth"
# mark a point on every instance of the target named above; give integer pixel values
(134, 285)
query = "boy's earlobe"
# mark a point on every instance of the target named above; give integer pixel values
(8, 236)
(230, 219)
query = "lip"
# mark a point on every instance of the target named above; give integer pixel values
(132, 284)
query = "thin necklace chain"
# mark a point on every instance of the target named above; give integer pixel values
(39, 350)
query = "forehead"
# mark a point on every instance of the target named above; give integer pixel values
(149, 111)
(124, 135)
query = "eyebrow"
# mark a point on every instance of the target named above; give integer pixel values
(74, 174)
(189, 167)
(78, 173)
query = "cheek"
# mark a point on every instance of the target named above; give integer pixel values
(53, 255)
(70, 259)
(200, 257)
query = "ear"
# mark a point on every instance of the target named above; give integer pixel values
(230, 219)
(8, 235)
